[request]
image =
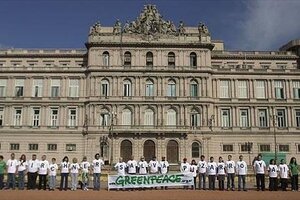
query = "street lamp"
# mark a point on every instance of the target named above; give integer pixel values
(274, 118)
(111, 134)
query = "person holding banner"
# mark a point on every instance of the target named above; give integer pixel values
(132, 167)
(120, 167)
(185, 167)
(142, 166)
(163, 168)
(194, 171)
(153, 166)
(211, 171)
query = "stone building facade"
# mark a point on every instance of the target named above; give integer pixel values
(150, 88)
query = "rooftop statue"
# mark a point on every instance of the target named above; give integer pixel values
(203, 30)
(117, 27)
(95, 29)
(181, 29)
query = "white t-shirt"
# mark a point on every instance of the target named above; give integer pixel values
(97, 166)
(283, 170)
(64, 167)
(163, 165)
(185, 167)
(142, 167)
(153, 164)
(273, 171)
(22, 165)
(259, 167)
(241, 168)
(202, 167)
(33, 165)
(12, 166)
(221, 168)
(43, 167)
(230, 166)
(120, 167)
(212, 168)
(193, 169)
(74, 168)
(132, 164)
(52, 169)
(85, 166)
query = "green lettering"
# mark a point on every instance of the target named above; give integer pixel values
(133, 180)
(172, 178)
(139, 180)
(165, 179)
(127, 180)
(120, 181)
(178, 178)
(159, 178)
(146, 180)
(153, 179)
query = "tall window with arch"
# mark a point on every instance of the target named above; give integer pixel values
(126, 117)
(104, 88)
(127, 88)
(171, 117)
(193, 60)
(194, 88)
(104, 118)
(171, 59)
(149, 88)
(149, 117)
(106, 59)
(127, 59)
(171, 88)
(196, 150)
(195, 118)
(149, 59)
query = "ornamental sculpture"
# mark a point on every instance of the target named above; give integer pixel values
(181, 29)
(203, 30)
(117, 27)
(95, 29)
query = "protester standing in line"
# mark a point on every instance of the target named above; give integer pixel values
(53, 167)
(97, 165)
(43, 172)
(283, 174)
(64, 173)
(259, 168)
(12, 165)
(2, 170)
(202, 169)
(294, 173)
(33, 165)
(241, 170)
(22, 168)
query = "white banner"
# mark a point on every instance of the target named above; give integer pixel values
(151, 180)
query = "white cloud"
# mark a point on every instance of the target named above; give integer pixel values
(268, 24)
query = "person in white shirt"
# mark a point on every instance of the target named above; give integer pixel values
(74, 170)
(221, 173)
(211, 171)
(241, 170)
(283, 174)
(230, 171)
(53, 167)
(259, 168)
(185, 167)
(33, 165)
(202, 169)
(132, 166)
(22, 167)
(97, 165)
(273, 174)
(12, 165)
(153, 166)
(43, 171)
(194, 171)
(142, 166)
(163, 168)
(121, 167)
(85, 166)
(64, 173)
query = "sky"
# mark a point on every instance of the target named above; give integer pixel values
(241, 24)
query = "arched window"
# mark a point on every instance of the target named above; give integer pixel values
(149, 88)
(194, 89)
(172, 152)
(104, 150)
(193, 60)
(171, 88)
(127, 58)
(195, 118)
(126, 150)
(149, 150)
(171, 117)
(126, 88)
(104, 88)
(149, 117)
(105, 57)
(171, 59)
(196, 150)
(149, 59)
(126, 117)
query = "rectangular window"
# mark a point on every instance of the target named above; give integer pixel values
(104, 119)
(55, 85)
(52, 147)
(244, 118)
(18, 117)
(194, 90)
(70, 147)
(296, 89)
(264, 148)
(54, 117)
(37, 88)
(73, 87)
(244, 148)
(3, 83)
(260, 89)
(195, 119)
(33, 147)
(298, 148)
(284, 148)
(72, 117)
(172, 89)
(224, 89)
(297, 113)
(262, 118)
(281, 118)
(1, 116)
(242, 89)
(225, 120)
(36, 117)
(149, 90)
(127, 89)
(14, 146)
(19, 88)
(227, 147)
(279, 89)
(104, 88)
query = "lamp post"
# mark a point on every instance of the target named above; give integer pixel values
(249, 146)
(111, 135)
(274, 118)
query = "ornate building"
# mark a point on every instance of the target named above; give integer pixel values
(150, 88)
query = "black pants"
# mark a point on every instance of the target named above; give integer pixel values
(294, 180)
(242, 182)
(1, 181)
(64, 181)
(211, 182)
(283, 183)
(202, 177)
(230, 181)
(273, 184)
(31, 182)
(260, 181)
(42, 181)
(221, 184)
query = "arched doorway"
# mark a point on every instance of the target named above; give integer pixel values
(126, 150)
(149, 150)
(173, 152)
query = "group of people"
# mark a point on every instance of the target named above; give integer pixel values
(200, 170)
